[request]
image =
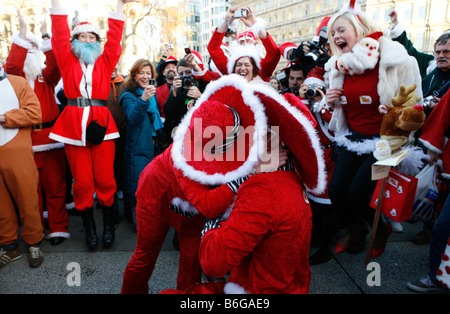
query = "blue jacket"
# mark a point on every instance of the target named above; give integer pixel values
(143, 120)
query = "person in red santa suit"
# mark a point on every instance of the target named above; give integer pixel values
(256, 28)
(166, 197)
(264, 241)
(86, 126)
(24, 60)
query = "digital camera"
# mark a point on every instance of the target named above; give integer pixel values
(187, 81)
(240, 13)
(313, 92)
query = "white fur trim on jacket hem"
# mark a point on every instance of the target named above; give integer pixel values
(364, 147)
(234, 288)
(430, 146)
(58, 234)
(47, 147)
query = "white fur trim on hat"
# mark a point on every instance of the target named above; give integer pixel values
(238, 51)
(312, 80)
(257, 108)
(85, 27)
(29, 36)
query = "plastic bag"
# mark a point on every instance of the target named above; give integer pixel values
(426, 194)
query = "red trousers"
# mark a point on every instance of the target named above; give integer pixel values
(152, 232)
(52, 187)
(92, 167)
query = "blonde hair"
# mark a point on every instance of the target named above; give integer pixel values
(362, 24)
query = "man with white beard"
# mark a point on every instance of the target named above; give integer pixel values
(24, 60)
(86, 125)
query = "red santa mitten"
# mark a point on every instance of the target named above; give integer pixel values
(443, 272)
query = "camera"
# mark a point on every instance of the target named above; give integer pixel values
(187, 50)
(313, 92)
(240, 13)
(151, 82)
(310, 59)
(429, 101)
(187, 81)
(290, 90)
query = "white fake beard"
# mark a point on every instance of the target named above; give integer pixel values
(33, 66)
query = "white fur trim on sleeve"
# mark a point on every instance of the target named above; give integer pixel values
(21, 42)
(396, 30)
(46, 45)
(58, 11)
(117, 16)
(259, 25)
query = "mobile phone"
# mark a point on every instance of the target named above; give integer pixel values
(187, 50)
(151, 82)
(240, 13)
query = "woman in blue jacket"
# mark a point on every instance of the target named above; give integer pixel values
(143, 124)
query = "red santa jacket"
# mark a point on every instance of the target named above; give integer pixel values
(435, 133)
(43, 86)
(162, 92)
(89, 81)
(265, 241)
(268, 63)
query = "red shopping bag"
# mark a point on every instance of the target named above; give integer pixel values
(399, 194)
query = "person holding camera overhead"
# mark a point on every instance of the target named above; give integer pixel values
(256, 27)
(86, 125)
(144, 124)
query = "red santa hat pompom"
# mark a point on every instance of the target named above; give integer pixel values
(316, 76)
(85, 27)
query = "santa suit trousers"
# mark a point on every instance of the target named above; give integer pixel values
(152, 232)
(18, 183)
(92, 167)
(52, 187)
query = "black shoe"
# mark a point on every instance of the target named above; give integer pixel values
(321, 256)
(89, 229)
(108, 226)
(56, 240)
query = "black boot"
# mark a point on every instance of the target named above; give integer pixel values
(108, 226)
(89, 229)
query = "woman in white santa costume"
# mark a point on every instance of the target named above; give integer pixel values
(86, 74)
(24, 60)
(356, 120)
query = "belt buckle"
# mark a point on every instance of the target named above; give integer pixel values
(81, 102)
(37, 127)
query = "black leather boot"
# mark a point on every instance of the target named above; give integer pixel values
(89, 229)
(108, 225)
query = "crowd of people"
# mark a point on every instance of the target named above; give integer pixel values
(247, 211)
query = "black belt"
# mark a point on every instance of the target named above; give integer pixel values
(40, 126)
(86, 102)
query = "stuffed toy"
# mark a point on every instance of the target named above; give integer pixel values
(364, 56)
(400, 119)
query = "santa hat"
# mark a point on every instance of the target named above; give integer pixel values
(316, 76)
(29, 36)
(375, 35)
(353, 6)
(247, 36)
(170, 59)
(85, 27)
(286, 48)
(296, 127)
(323, 23)
(238, 51)
(218, 141)
(198, 59)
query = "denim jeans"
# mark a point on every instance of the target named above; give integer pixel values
(439, 238)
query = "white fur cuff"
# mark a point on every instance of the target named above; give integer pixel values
(260, 25)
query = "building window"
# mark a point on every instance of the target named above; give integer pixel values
(422, 12)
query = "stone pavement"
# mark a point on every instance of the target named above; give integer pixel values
(101, 272)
